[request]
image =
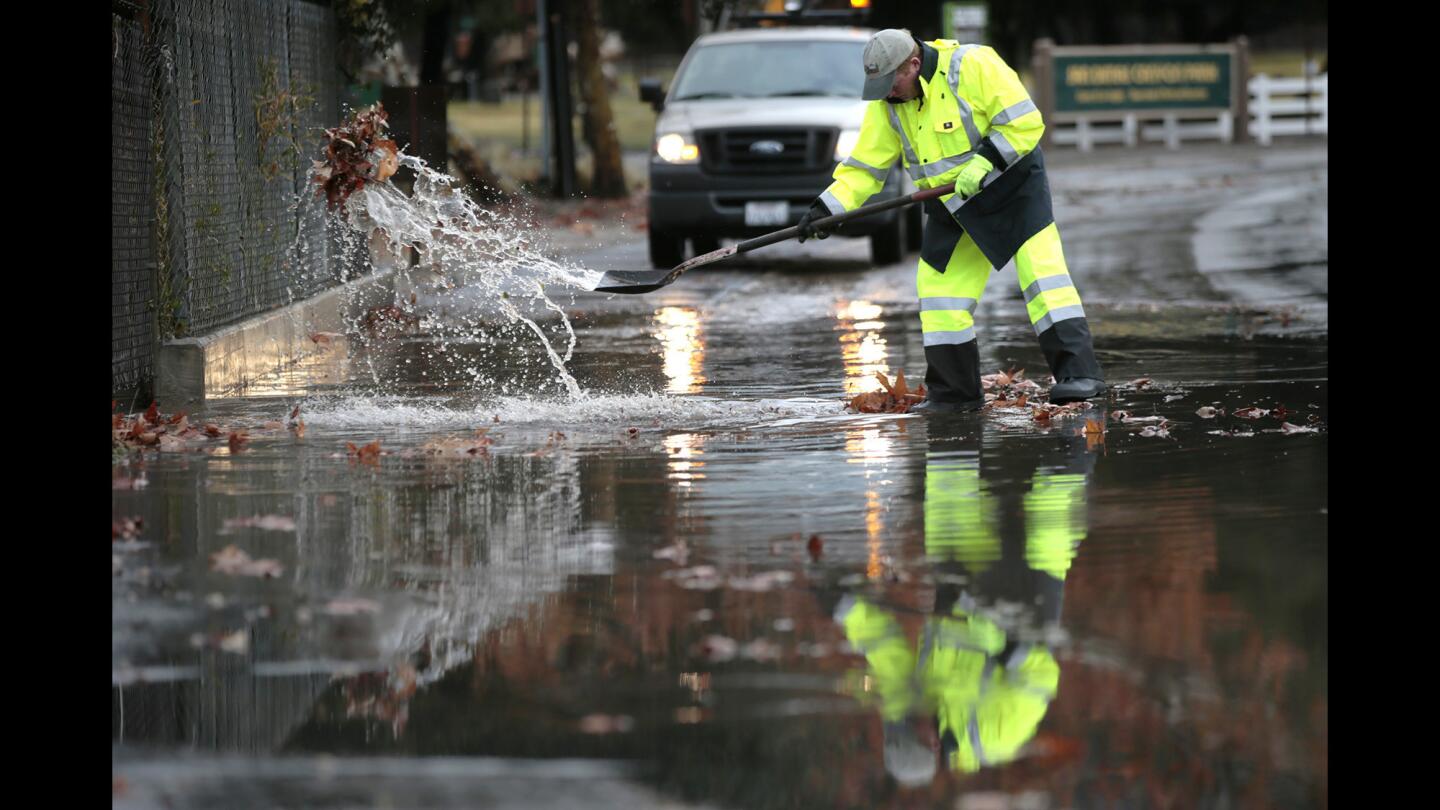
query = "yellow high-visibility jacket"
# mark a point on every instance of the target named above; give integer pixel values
(986, 710)
(970, 103)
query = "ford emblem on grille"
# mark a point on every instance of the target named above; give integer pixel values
(767, 147)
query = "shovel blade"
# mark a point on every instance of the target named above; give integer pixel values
(634, 281)
(642, 281)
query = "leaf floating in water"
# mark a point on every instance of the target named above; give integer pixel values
(232, 560)
(369, 454)
(606, 724)
(1206, 412)
(274, 523)
(896, 398)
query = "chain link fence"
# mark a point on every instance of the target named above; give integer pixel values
(217, 108)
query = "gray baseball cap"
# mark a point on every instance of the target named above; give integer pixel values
(884, 54)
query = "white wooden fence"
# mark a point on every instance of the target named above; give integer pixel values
(1277, 107)
(1289, 107)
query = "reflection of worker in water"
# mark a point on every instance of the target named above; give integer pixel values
(969, 689)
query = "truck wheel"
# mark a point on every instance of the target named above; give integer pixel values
(887, 245)
(704, 244)
(914, 226)
(666, 249)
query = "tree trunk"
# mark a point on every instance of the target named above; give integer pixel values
(609, 176)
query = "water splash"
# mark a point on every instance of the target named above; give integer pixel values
(477, 263)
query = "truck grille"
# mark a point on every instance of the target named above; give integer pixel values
(802, 149)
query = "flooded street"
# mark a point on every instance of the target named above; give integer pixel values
(704, 583)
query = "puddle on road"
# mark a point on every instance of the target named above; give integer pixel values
(702, 569)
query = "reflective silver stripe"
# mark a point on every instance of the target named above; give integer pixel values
(927, 644)
(1004, 148)
(987, 675)
(944, 165)
(974, 729)
(942, 304)
(1055, 316)
(1014, 111)
(832, 203)
(950, 338)
(953, 204)
(1058, 281)
(877, 173)
(904, 139)
(967, 117)
(1017, 658)
(842, 610)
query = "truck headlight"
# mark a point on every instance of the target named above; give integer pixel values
(846, 144)
(677, 147)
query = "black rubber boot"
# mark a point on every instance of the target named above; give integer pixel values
(952, 379)
(931, 406)
(1070, 352)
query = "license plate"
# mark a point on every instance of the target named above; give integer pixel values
(767, 213)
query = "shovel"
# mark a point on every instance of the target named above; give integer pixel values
(643, 281)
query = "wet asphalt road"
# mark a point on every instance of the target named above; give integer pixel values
(628, 600)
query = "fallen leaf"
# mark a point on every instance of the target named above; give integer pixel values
(125, 528)
(232, 560)
(236, 642)
(761, 649)
(815, 546)
(896, 398)
(1288, 428)
(718, 649)
(213, 431)
(171, 444)
(152, 414)
(1142, 382)
(274, 523)
(351, 607)
(369, 454)
(677, 553)
(1206, 412)
(1250, 413)
(237, 440)
(606, 724)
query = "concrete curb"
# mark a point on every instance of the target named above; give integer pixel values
(227, 362)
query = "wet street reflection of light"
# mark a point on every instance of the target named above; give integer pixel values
(861, 345)
(683, 449)
(869, 447)
(684, 351)
(874, 535)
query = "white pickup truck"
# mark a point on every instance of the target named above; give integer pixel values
(748, 135)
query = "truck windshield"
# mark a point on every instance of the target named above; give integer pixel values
(770, 69)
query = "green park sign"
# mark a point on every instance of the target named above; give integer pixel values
(1119, 81)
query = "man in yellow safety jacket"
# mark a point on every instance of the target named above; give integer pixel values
(958, 113)
(970, 693)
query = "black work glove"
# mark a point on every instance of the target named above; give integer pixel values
(818, 210)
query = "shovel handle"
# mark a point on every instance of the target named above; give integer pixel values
(835, 219)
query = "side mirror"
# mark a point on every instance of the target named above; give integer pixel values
(651, 91)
